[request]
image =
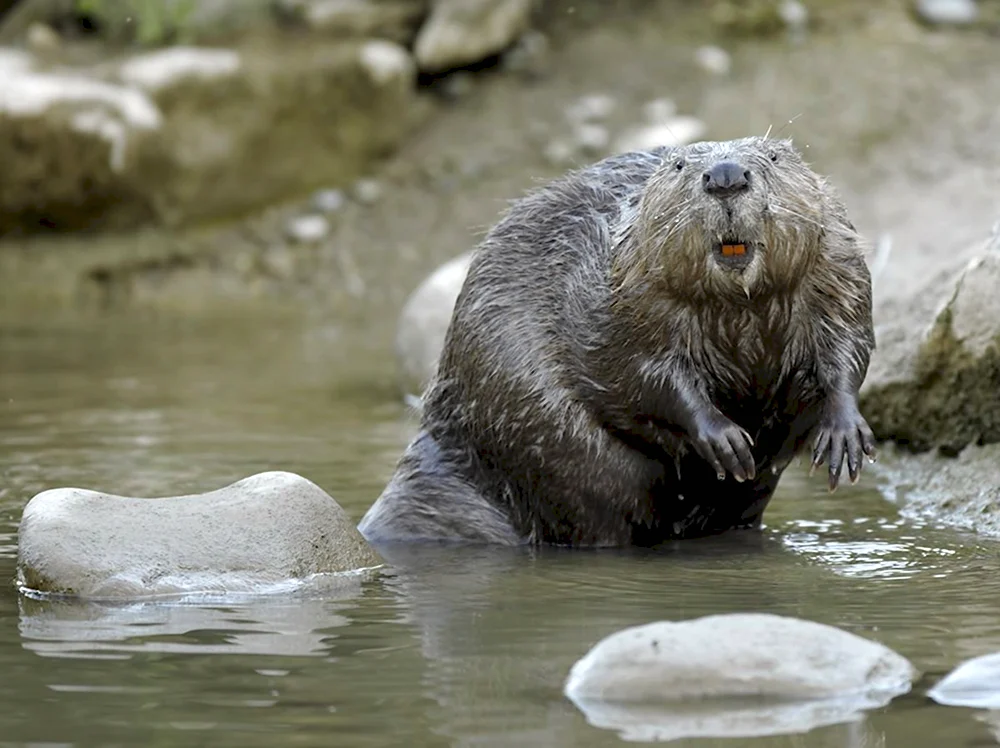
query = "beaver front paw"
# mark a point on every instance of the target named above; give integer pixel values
(726, 447)
(843, 432)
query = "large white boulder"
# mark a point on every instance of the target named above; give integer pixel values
(257, 534)
(733, 675)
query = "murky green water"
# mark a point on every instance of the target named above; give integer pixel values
(459, 647)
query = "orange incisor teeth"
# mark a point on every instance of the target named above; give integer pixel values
(728, 250)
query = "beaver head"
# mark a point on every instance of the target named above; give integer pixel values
(721, 218)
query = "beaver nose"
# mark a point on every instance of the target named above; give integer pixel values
(725, 179)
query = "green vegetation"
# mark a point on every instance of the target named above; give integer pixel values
(148, 22)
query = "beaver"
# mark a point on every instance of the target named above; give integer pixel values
(639, 350)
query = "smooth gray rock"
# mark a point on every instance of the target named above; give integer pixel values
(461, 32)
(738, 654)
(932, 379)
(975, 684)
(733, 675)
(424, 322)
(264, 531)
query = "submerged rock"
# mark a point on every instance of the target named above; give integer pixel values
(462, 32)
(975, 684)
(733, 675)
(962, 492)
(933, 378)
(267, 529)
(424, 322)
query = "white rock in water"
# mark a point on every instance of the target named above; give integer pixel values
(424, 322)
(677, 131)
(975, 684)
(749, 674)
(265, 530)
(461, 32)
(307, 229)
(156, 70)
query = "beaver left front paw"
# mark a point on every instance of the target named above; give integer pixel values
(843, 432)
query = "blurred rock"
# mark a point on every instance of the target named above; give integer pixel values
(713, 60)
(933, 378)
(265, 530)
(328, 201)
(42, 40)
(947, 12)
(529, 57)
(760, 17)
(679, 130)
(71, 147)
(367, 191)
(424, 321)
(591, 108)
(167, 138)
(462, 32)
(974, 684)
(659, 111)
(592, 139)
(396, 20)
(733, 675)
(307, 229)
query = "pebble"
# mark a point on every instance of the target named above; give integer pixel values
(713, 60)
(591, 108)
(328, 201)
(659, 111)
(591, 138)
(795, 15)
(42, 39)
(948, 12)
(679, 130)
(307, 229)
(367, 191)
(458, 85)
(560, 152)
(529, 57)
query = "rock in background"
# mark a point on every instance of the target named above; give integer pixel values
(934, 379)
(311, 95)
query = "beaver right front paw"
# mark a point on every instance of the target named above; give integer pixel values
(726, 447)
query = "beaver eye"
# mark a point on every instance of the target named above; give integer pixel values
(774, 157)
(679, 165)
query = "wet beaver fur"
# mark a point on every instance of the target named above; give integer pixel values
(638, 352)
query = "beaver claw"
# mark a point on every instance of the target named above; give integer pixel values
(843, 434)
(726, 447)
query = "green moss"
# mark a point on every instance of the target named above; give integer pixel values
(148, 22)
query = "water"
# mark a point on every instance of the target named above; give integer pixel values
(452, 647)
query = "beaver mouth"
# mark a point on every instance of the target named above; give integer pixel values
(733, 253)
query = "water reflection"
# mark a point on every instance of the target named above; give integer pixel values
(290, 626)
